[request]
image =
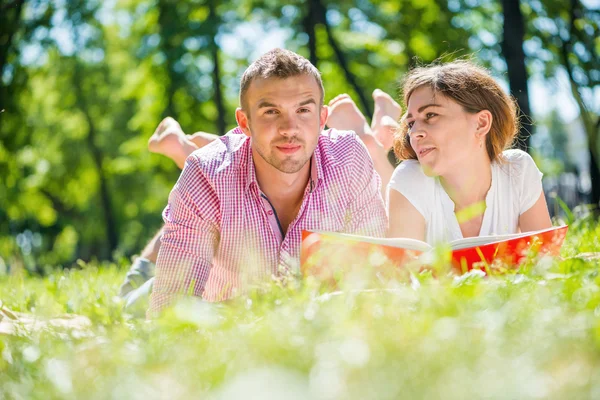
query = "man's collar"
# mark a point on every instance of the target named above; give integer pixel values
(251, 179)
(316, 169)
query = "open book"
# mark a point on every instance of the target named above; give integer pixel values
(322, 250)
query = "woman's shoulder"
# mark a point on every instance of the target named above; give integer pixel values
(517, 161)
(409, 175)
(517, 157)
(521, 175)
(410, 181)
(410, 170)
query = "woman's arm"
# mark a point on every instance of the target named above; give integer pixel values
(405, 220)
(537, 217)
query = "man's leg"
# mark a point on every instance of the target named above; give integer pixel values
(201, 139)
(142, 268)
(170, 140)
(345, 115)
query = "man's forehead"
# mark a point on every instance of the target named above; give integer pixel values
(301, 86)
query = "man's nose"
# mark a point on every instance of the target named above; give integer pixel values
(288, 125)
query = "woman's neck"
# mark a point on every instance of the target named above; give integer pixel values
(468, 183)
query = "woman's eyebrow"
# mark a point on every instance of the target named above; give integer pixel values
(423, 108)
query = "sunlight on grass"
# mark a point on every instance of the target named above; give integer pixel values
(534, 334)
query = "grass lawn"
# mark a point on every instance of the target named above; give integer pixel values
(532, 334)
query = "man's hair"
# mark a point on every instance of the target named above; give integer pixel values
(475, 90)
(278, 63)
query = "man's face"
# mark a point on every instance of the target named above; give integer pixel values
(284, 118)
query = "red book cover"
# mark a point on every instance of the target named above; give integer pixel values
(511, 250)
(322, 252)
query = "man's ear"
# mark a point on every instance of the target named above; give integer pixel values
(242, 120)
(323, 116)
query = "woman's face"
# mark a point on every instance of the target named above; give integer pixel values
(443, 135)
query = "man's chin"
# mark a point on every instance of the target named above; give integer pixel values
(290, 166)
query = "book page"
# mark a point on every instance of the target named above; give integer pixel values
(481, 240)
(404, 243)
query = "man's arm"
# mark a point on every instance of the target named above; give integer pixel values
(366, 212)
(189, 241)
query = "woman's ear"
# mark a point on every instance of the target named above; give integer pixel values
(484, 123)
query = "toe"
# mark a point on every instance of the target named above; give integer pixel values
(377, 93)
(339, 98)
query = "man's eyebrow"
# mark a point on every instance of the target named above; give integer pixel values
(308, 101)
(265, 103)
(423, 108)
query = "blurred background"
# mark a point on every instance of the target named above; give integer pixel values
(83, 85)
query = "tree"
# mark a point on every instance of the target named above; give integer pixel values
(512, 49)
(566, 39)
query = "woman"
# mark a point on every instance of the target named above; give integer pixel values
(457, 178)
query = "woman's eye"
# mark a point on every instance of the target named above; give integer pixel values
(430, 115)
(410, 124)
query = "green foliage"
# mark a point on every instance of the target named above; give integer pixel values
(85, 83)
(533, 334)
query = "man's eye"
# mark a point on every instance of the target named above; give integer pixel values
(271, 112)
(304, 110)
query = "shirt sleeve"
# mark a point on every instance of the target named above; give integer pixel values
(189, 241)
(365, 214)
(529, 181)
(409, 180)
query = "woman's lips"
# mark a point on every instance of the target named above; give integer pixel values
(425, 152)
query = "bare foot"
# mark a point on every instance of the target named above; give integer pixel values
(168, 139)
(385, 118)
(345, 115)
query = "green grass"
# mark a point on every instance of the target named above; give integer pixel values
(535, 334)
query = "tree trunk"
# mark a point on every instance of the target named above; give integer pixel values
(166, 11)
(309, 24)
(512, 49)
(112, 234)
(216, 72)
(10, 17)
(592, 128)
(595, 178)
(322, 18)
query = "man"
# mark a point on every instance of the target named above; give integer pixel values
(236, 214)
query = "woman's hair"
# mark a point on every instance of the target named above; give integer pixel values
(474, 89)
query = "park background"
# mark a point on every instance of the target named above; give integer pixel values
(85, 83)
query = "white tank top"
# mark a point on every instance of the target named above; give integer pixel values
(516, 186)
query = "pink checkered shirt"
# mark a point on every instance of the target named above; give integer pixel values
(221, 233)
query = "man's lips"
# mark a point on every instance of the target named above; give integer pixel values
(288, 148)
